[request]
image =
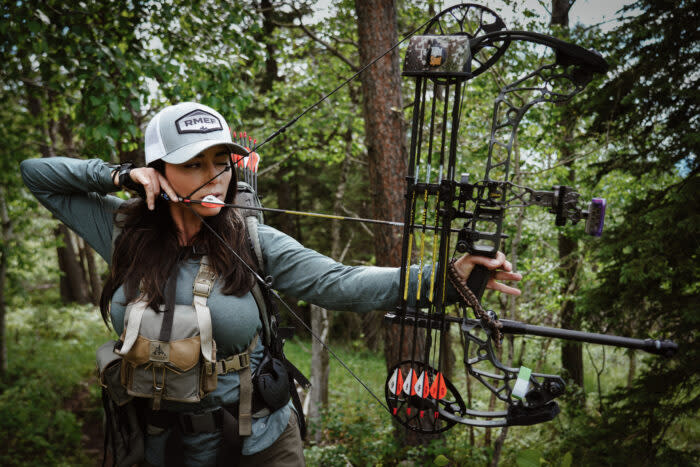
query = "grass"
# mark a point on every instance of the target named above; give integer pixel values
(51, 353)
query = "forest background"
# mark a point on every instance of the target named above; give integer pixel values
(81, 79)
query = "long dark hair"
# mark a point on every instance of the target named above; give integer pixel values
(147, 250)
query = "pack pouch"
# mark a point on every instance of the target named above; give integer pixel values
(271, 382)
(109, 366)
(170, 354)
(123, 429)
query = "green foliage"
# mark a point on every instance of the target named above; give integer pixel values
(84, 79)
(648, 262)
(51, 352)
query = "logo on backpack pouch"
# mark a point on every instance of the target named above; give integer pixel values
(159, 352)
(198, 121)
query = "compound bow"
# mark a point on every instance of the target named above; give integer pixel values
(459, 44)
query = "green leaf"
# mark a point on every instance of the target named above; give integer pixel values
(33, 26)
(114, 108)
(567, 460)
(529, 458)
(441, 460)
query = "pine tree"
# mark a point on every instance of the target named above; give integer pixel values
(648, 282)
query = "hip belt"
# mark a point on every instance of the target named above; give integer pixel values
(201, 422)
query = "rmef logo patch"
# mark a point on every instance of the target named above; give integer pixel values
(198, 121)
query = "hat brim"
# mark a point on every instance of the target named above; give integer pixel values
(187, 152)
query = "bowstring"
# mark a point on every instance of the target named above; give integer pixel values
(228, 167)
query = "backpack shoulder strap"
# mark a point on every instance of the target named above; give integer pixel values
(258, 294)
(272, 335)
(246, 196)
(201, 289)
(251, 223)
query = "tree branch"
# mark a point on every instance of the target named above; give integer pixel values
(314, 37)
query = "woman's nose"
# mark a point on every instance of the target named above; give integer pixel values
(212, 172)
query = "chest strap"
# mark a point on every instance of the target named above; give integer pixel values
(233, 363)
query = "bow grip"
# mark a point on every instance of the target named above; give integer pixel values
(478, 279)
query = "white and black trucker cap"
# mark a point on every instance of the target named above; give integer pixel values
(179, 132)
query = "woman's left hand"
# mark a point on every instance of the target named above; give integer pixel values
(501, 267)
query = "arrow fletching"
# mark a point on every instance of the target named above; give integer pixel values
(253, 161)
(396, 382)
(422, 386)
(211, 201)
(438, 390)
(409, 383)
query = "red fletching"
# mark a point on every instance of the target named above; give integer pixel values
(253, 161)
(438, 389)
(211, 201)
(399, 382)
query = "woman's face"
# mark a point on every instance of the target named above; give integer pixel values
(190, 178)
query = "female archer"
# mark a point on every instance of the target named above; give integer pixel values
(181, 293)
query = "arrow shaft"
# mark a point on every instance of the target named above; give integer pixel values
(309, 214)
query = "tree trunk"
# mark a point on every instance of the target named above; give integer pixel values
(384, 132)
(74, 287)
(560, 12)
(571, 353)
(384, 138)
(93, 275)
(319, 370)
(6, 237)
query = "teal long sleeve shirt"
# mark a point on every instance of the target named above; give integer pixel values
(77, 193)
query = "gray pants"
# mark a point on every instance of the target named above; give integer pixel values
(287, 451)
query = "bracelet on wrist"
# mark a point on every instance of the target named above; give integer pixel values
(125, 181)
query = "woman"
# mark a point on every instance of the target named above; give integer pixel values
(159, 245)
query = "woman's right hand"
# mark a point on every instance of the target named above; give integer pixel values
(153, 183)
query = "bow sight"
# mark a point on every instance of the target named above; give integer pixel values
(458, 45)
